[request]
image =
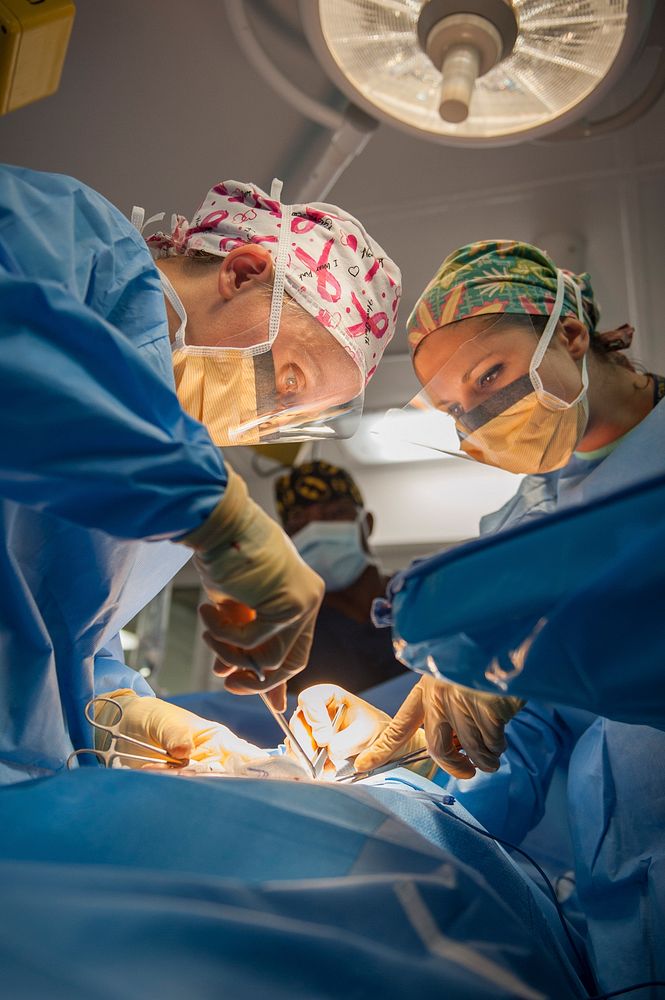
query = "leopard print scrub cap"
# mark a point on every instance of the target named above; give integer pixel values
(314, 483)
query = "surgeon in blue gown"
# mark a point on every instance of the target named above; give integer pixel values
(507, 346)
(102, 470)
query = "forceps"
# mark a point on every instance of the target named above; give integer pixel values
(410, 758)
(321, 755)
(280, 719)
(109, 757)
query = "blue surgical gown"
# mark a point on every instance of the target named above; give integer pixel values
(615, 775)
(99, 465)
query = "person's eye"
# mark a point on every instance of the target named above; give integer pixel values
(490, 376)
(291, 381)
(455, 410)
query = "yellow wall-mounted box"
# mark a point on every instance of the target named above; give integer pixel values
(33, 44)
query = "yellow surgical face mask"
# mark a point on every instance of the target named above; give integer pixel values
(219, 391)
(216, 386)
(525, 436)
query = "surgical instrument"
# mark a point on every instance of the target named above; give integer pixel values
(111, 755)
(322, 755)
(280, 719)
(415, 757)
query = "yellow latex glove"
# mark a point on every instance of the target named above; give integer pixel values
(455, 719)
(360, 725)
(181, 733)
(242, 554)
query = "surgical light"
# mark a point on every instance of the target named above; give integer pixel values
(475, 72)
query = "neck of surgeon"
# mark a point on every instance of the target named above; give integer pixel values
(619, 399)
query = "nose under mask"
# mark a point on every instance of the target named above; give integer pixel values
(219, 391)
(526, 436)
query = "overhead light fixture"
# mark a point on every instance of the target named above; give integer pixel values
(466, 72)
(475, 72)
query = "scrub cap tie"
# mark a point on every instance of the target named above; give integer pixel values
(497, 276)
(331, 266)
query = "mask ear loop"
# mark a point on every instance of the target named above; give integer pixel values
(279, 279)
(545, 397)
(280, 263)
(179, 309)
(140, 222)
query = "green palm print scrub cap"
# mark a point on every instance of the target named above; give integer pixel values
(495, 276)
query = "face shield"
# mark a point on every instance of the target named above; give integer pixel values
(501, 402)
(288, 379)
(292, 390)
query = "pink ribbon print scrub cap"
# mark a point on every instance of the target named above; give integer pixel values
(324, 258)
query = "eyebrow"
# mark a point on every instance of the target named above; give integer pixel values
(467, 375)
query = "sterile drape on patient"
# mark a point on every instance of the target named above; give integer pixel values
(121, 883)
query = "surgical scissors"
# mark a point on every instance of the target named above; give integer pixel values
(409, 758)
(280, 719)
(109, 757)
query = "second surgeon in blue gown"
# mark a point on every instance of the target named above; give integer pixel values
(584, 428)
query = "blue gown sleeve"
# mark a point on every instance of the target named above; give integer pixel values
(605, 640)
(112, 673)
(91, 432)
(511, 801)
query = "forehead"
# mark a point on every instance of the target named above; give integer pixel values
(338, 509)
(452, 349)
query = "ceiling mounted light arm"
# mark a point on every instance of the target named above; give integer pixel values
(347, 142)
(352, 128)
(245, 36)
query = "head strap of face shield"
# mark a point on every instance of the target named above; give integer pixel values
(544, 343)
(280, 263)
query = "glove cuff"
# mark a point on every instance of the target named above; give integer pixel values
(224, 520)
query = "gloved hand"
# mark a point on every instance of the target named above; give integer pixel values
(360, 725)
(181, 733)
(242, 554)
(454, 717)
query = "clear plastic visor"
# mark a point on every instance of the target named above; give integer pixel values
(303, 385)
(489, 379)
(304, 389)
